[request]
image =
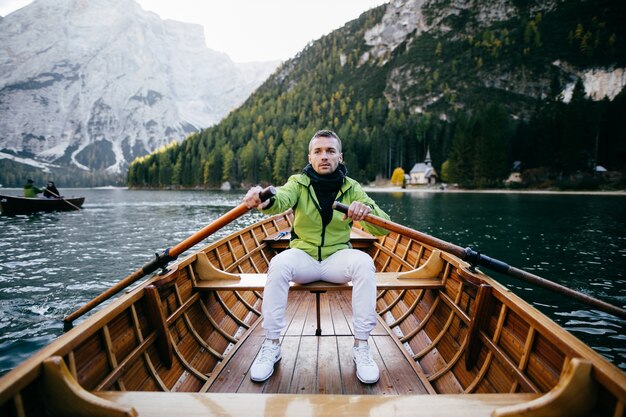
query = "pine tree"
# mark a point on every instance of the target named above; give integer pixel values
(462, 154)
(281, 167)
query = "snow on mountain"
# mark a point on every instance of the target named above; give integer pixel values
(96, 83)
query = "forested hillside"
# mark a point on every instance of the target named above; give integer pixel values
(478, 91)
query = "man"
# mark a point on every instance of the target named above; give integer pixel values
(320, 250)
(30, 190)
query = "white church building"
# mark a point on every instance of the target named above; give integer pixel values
(423, 173)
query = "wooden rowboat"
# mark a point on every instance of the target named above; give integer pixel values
(449, 341)
(12, 205)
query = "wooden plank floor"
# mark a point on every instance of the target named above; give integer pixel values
(320, 364)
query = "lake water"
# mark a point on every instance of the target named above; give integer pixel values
(52, 263)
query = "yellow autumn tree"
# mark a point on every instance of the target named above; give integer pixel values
(397, 178)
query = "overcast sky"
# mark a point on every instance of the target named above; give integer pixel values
(253, 30)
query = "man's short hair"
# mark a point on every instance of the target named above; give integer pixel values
(325, 134)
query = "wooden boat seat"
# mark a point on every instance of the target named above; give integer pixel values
(256, 282)
(576, 391)
(358, 238)
(574, 394)
(424, 277)
(150, 404)
(212, 279)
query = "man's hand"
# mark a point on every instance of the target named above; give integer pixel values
(252, 198)
(357, 211)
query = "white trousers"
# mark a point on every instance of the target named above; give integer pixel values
(343, 266)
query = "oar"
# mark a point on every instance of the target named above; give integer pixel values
(478, 259)
(58, 196)
(162, 259)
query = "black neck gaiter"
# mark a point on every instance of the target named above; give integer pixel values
(326, 188)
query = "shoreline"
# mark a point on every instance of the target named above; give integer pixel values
(396, 189)
(373, 189)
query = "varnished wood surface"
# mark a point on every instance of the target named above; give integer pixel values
(320, 365)
(358, 238)
(299, 405)
(251, 282)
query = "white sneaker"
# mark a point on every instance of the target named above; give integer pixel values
(263, 366)
(366, 368)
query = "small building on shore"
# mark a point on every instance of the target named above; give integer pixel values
(423, 173)
(516, 176)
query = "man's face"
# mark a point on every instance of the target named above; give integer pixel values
(324, 155)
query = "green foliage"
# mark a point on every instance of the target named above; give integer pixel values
(493, 133)
(445, 171)
(568, 139)
(461, 159)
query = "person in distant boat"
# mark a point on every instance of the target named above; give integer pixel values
(320, 250)
(51, 190)
(30, 190)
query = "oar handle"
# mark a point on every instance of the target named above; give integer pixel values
(477, 259)
(162, 259)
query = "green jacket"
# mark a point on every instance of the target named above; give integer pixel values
(30, 191)
(308, 232)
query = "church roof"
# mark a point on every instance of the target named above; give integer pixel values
(427, 169)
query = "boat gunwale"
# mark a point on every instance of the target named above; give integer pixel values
(572, 347)
(66, 342)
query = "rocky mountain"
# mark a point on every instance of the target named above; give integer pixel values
(479, 83)
(428, 40)
(95, 84)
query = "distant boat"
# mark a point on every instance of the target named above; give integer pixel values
(449, 340)
(12, 205)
